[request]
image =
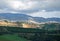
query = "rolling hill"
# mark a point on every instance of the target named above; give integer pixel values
(24, 17)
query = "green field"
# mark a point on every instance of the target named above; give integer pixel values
(49, 32)
(11, 37)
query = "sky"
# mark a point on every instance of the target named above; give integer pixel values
(35, 8)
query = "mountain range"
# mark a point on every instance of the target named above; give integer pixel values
(24, 17)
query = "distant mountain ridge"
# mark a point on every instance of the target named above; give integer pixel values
(10, 16)
(24, 17)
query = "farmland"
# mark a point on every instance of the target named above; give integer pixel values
(47, 33)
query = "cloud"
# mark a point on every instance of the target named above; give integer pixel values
(51, 7)
(19, 5)
(46, 14)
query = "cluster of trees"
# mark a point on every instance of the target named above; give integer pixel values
(32, 34)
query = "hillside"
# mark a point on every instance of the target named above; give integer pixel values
(24, 17)
(51, 26)
(28, 34)
(47, 31)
